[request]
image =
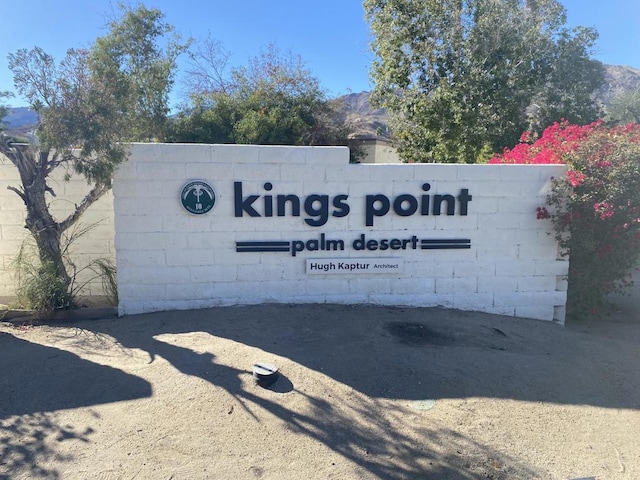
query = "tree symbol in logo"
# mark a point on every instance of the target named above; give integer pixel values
(197, 191)
(198, 197)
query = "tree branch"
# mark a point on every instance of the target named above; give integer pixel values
(56, 159)
(18, 192)
(96, 192)
(5, 147)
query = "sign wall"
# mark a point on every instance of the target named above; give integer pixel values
(206, 225)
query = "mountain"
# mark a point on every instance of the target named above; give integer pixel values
(20, 121)
(372, 123)
(367, 122)
(20, 117)
(619, 79)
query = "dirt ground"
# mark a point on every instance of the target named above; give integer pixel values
(364, 393)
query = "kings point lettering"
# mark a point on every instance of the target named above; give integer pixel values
(318, 208)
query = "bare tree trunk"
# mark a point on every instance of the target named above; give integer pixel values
(47, 235)
(34, 166)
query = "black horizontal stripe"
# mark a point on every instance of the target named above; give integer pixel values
(262, 249)
(444, 246)
(263, 246)
(436, 241)
(445, 243)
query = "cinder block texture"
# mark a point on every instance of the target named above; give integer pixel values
(461, 236)
(91, 239)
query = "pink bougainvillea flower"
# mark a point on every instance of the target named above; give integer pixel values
(597, 200)
(542, 213)
(603, 164)
(526, 137)
(575, 178)
(604, 210)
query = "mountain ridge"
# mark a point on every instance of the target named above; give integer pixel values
(372, 123)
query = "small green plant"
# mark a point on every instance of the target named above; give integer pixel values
(39, 286)
(106, 270)
(42, 290)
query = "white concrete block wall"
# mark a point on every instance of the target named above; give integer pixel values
(97, 243)
(170, 259)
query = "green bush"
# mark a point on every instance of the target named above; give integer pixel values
(40, 288)
(594, 209)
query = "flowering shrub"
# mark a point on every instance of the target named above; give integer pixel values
(594, 209)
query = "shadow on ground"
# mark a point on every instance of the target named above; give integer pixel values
(25, 440)
(27, 424)
(381, 352)
(384, 352)
(23, 380)
(453, 354)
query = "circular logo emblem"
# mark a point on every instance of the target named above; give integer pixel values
(197, 197)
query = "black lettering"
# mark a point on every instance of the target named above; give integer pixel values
(424, 209)
(341, 205)
(321, 212)
(293, 200)
(268, 206)
(370, 211)
(358, 244)
(335, 245)
(437, 204)
(268, 201)
(243, 205)
(296, 246)
(398, 205)
(464, 198)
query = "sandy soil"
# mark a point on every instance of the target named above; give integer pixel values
(364, 393)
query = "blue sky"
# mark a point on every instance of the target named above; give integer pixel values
(331, 36)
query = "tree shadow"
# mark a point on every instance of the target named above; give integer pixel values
(37, 380)
(382, 351)
(385, 355)
(389, 353)
(25, 445)
(356, 430)
(55, 379)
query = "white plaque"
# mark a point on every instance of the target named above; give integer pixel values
(330, 266)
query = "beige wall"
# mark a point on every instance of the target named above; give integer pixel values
(379, 152)
(95, 244)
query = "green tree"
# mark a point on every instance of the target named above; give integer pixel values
(572, 80)
(88, 105)
(273, 101)
(138, 60)
(462, 78)
(624, 108)
(3, 108)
